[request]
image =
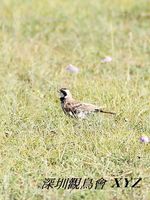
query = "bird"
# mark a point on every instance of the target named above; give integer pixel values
(77, 109)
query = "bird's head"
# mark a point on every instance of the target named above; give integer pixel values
(65, 94)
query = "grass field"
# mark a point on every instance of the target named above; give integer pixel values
(38, 39)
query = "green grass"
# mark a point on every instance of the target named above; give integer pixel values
(38, 39)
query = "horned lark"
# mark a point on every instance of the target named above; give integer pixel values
(77, 109)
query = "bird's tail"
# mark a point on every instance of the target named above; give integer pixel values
(108, 112)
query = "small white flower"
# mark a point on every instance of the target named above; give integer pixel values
(106, 59)
(72, 69)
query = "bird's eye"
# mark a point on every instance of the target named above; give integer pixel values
(64, 93)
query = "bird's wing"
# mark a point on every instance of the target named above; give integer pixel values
(84, 107)
(80, 107)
